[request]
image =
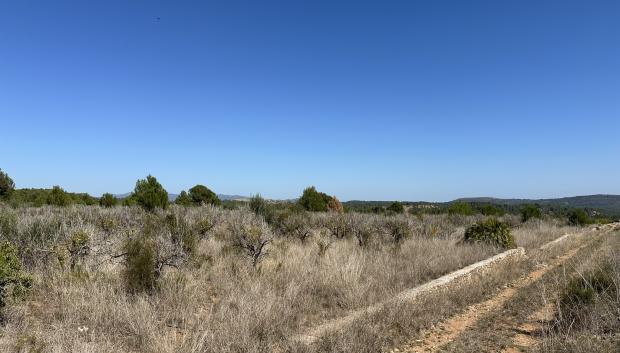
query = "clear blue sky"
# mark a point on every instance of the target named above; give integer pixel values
(409, 100)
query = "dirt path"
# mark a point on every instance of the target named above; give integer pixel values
(439, 336)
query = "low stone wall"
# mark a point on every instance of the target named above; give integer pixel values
(452, 278)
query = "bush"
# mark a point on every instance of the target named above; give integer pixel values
(58, 197)
(460, 208)
(530, 211)
(78, 247)
(582, 291)
(491, 231)
(398, 229)
(183, 199)
(491, 210)
(334, 205)
(396, 207)
(312, 200)
(261, 208)
(149, 194)
(202, 195)
(13, 280)
(251, 236)
(579, 217)
(108, 200)
(140, 265)
(7, 186)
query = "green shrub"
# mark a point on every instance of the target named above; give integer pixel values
(460, 208)
(396, 207)
(58, 197)
(108, 200)
(7, 186)
(202, 195)
(491, 231)
(491, 210)
(581, 293)
(78, 247)
(13, 280)
(579, 217)
(149, 194)
(261, 208)
(183, 199)
(140, 264)
(530, 211)
(312, 200)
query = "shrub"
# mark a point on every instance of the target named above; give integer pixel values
(251, 236)
(7, 186)
(13, 280)
(396, 207)
(491, 231)
(295, 225)
(491, 210)
(183, 199)
(149, 194)
(58, 197)
(398, 229)
(314, 201)
(579, 217)
(530, 211)
(261, 208)
(108, 200)
(582, 291)
(78, 247)
(460, 208)
(130, 201)
(202, 195)
(334, 205)
(340, 226)
(363, 230)
(140, 264)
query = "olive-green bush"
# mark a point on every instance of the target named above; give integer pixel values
(14, 281)
(491, 231)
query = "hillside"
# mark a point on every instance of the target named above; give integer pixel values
(606, 203)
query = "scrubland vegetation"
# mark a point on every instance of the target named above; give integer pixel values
(587, 307)
(146, 275)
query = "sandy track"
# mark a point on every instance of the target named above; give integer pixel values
(441, 335)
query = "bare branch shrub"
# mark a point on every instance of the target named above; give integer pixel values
(251, 235)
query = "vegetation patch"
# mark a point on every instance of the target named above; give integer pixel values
(491, 231)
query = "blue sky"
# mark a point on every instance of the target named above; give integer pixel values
(382, 100)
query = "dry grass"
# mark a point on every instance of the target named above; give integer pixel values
(213, 299)
(583, 323)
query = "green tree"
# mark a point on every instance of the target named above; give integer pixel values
(461, 208)
(58, 197)
(108, 200)
(183, 199)
(396, 207)
(201, 194)
(579, 217)
(313, 200)
(150, 194)
(7, 186)
(530, 211)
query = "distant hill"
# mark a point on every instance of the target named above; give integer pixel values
(606, 203)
